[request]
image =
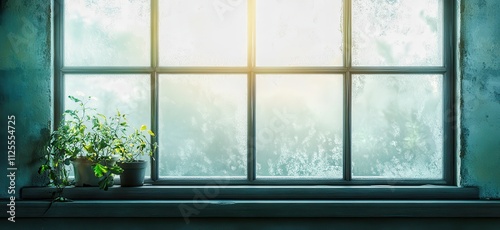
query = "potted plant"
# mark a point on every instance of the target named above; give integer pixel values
(98, 166)
(89, 149)
(131, 147)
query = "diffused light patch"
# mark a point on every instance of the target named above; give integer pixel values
(299, 125)
(128, 93)
(202, 33)
(202, 125)
(299, 33)
(107, 33)
(397, 126)
(397, 32)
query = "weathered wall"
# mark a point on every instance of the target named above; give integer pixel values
(25, 84)
(480, 95)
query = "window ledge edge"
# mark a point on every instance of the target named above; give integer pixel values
(258, 208)
(248, 192)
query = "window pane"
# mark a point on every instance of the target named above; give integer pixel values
(397, 126)
(202, 125)
(299, 125)
(299, 32)
(130, 94)
(202, 33)
(397, 32)
(107, 33)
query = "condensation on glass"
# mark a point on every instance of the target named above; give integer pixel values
(396, 120)
(299, 125)
(397, 33)
(299, 33)
(203, 125)
(397, 126)
(202, 33)
(107, 33)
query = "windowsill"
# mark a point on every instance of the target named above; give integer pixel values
(259, 201)
(245, 192)
(258, 208)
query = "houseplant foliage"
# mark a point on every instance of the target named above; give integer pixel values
(99, 148)
(73, 139)
(131, 147)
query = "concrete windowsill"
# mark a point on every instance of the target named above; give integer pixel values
(250, 192)
(258, 208)
(258, 201)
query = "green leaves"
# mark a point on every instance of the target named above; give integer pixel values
(43, 168)
(99, 170)
(65, 143)
(74, 99)
(151, 133)
(106, 174)
(136, 144)
(115, 169)
(89, 148)
(83, 132)
(106, 182)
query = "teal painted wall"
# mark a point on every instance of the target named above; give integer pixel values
(480, 95)
(25, 85)
(26, 89)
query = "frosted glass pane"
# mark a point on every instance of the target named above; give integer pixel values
(397, 32)
(397, 126)
(107, 33)
(202, 33)
(299, 32)
(299, 125)
(130, 94)
(203, 125)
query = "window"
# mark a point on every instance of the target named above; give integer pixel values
(271, 91)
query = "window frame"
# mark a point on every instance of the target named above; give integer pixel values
(251, 70)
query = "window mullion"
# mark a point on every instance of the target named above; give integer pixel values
(154, 34)
(251, 160)
(347, 91)
(154, 86)
(449, 92)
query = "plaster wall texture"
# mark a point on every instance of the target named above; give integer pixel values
(25, 86)
(480, 95)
